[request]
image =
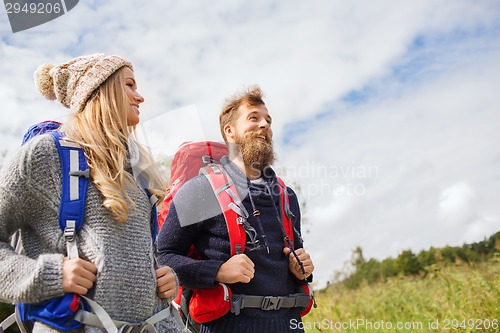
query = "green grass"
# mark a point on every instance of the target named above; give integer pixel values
(451, 299)
(446, 298)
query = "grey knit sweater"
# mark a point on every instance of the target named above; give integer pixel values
(30, 191)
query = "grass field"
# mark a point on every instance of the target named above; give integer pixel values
(459, 298)
(451, 299)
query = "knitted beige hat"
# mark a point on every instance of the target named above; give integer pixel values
(73, 82)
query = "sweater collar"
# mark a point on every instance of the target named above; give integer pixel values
(240, 178)
(260, 192)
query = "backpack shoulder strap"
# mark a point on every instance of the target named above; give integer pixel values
(153, 199)
(230, 204)
(75, 178)
(286, 213)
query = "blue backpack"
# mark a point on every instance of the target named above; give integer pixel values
(71, 311)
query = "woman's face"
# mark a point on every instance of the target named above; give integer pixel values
(134, 98)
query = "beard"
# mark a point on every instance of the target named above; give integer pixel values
(254, 152)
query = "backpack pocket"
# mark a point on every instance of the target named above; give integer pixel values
(56, 312)
(210, 304)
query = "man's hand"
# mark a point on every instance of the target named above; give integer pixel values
(78, 276)
(166, 285)
(238, 268)
(294, 265)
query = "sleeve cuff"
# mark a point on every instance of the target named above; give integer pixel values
(50, 283)
(206, 272)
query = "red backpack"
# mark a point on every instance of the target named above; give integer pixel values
(203, 157)
(189, 158)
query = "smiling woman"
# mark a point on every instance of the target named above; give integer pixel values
(110, 259)
(133, 96)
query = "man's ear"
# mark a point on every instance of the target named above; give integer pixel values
(229, 132)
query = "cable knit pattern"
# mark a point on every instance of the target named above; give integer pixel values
(73, 82)
(196, 202)
(30, 191)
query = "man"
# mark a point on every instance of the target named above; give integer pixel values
(266, 268)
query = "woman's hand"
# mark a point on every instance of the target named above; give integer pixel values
(166, 282)
(78, 276)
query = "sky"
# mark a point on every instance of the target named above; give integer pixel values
(385, 113)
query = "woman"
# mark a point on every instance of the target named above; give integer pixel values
(115, 267)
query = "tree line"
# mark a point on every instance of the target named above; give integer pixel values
(359, 270)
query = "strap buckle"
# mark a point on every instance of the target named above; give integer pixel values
(137, 328)
(130, 328)
(236, 304)
(206, 159)
(271, 303)
(69, 233)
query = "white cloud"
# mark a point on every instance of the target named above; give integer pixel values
(435, 170)
(456, 206)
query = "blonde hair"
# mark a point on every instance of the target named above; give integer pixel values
(102, 130)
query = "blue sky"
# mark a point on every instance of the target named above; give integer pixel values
(385, 112)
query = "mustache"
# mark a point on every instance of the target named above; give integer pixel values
(253, 135)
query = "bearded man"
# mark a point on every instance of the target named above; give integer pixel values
(266, 271)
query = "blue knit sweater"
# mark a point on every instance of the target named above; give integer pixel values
(195, 218)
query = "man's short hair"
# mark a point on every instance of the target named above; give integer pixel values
(251, 96)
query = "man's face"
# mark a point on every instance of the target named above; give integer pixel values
(252, 134)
